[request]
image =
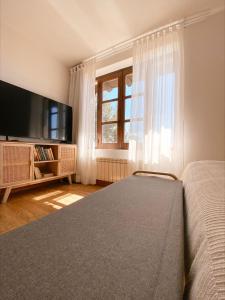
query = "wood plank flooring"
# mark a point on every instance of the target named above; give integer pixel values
(24, 207)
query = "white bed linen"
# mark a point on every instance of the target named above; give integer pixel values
(204, 184)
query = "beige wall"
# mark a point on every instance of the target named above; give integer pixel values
(25, 65)
(204, 131)
(204, 90)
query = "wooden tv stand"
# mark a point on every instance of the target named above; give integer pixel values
(18, 161)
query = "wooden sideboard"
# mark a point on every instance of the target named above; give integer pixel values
(18, 161)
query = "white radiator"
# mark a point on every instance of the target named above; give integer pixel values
(111, 170)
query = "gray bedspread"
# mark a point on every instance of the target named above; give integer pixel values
(123, 242)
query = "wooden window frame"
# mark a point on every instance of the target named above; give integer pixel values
(121, 75)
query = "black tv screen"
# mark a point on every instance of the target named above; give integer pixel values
(28, 115)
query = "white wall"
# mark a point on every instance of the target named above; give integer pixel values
(204, 132)
(204, 90)
(32, 68)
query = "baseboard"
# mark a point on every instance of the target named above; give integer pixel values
(102, 182)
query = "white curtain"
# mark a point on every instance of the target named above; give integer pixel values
(82, 99)
(156, 128)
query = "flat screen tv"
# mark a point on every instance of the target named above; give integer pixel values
(24, 114)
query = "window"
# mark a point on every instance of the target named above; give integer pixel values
(113, 113)
(57, 121)
(54, 121)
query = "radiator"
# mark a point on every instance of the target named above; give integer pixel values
(111, 170)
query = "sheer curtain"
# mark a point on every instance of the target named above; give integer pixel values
(156, 128)
(82, 99)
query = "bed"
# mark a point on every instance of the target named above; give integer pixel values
(123, 242)
(204, 185)
(126, 241)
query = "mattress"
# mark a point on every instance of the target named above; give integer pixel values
(204, 184)
(123, 242)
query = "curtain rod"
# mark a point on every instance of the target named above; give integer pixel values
(128, 43)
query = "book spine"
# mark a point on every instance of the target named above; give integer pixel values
(52, 155)
(46, 154)
(38, 153)
(42, 153)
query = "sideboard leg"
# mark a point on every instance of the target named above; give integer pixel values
(69, 179)
(6, 194)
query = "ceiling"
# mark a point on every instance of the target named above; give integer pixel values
(72, 30)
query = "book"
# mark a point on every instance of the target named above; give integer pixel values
(46, 154)
(37, 173)
(43, 153)
(51, 154)
(40, 155)
(46, 175)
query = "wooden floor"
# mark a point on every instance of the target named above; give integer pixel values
(24, 207)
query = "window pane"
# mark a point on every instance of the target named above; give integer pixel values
(128, 85)
(109, 111)
(126, 132)
(109, 133)
(54, 134)
(54, 121)
(53, 108)
(127, 108)
(110, 89)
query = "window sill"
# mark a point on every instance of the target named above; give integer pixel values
(111, 147)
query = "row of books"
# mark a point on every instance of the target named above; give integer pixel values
(41, 153)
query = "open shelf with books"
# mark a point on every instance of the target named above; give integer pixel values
(45, 169)
(45, 153)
